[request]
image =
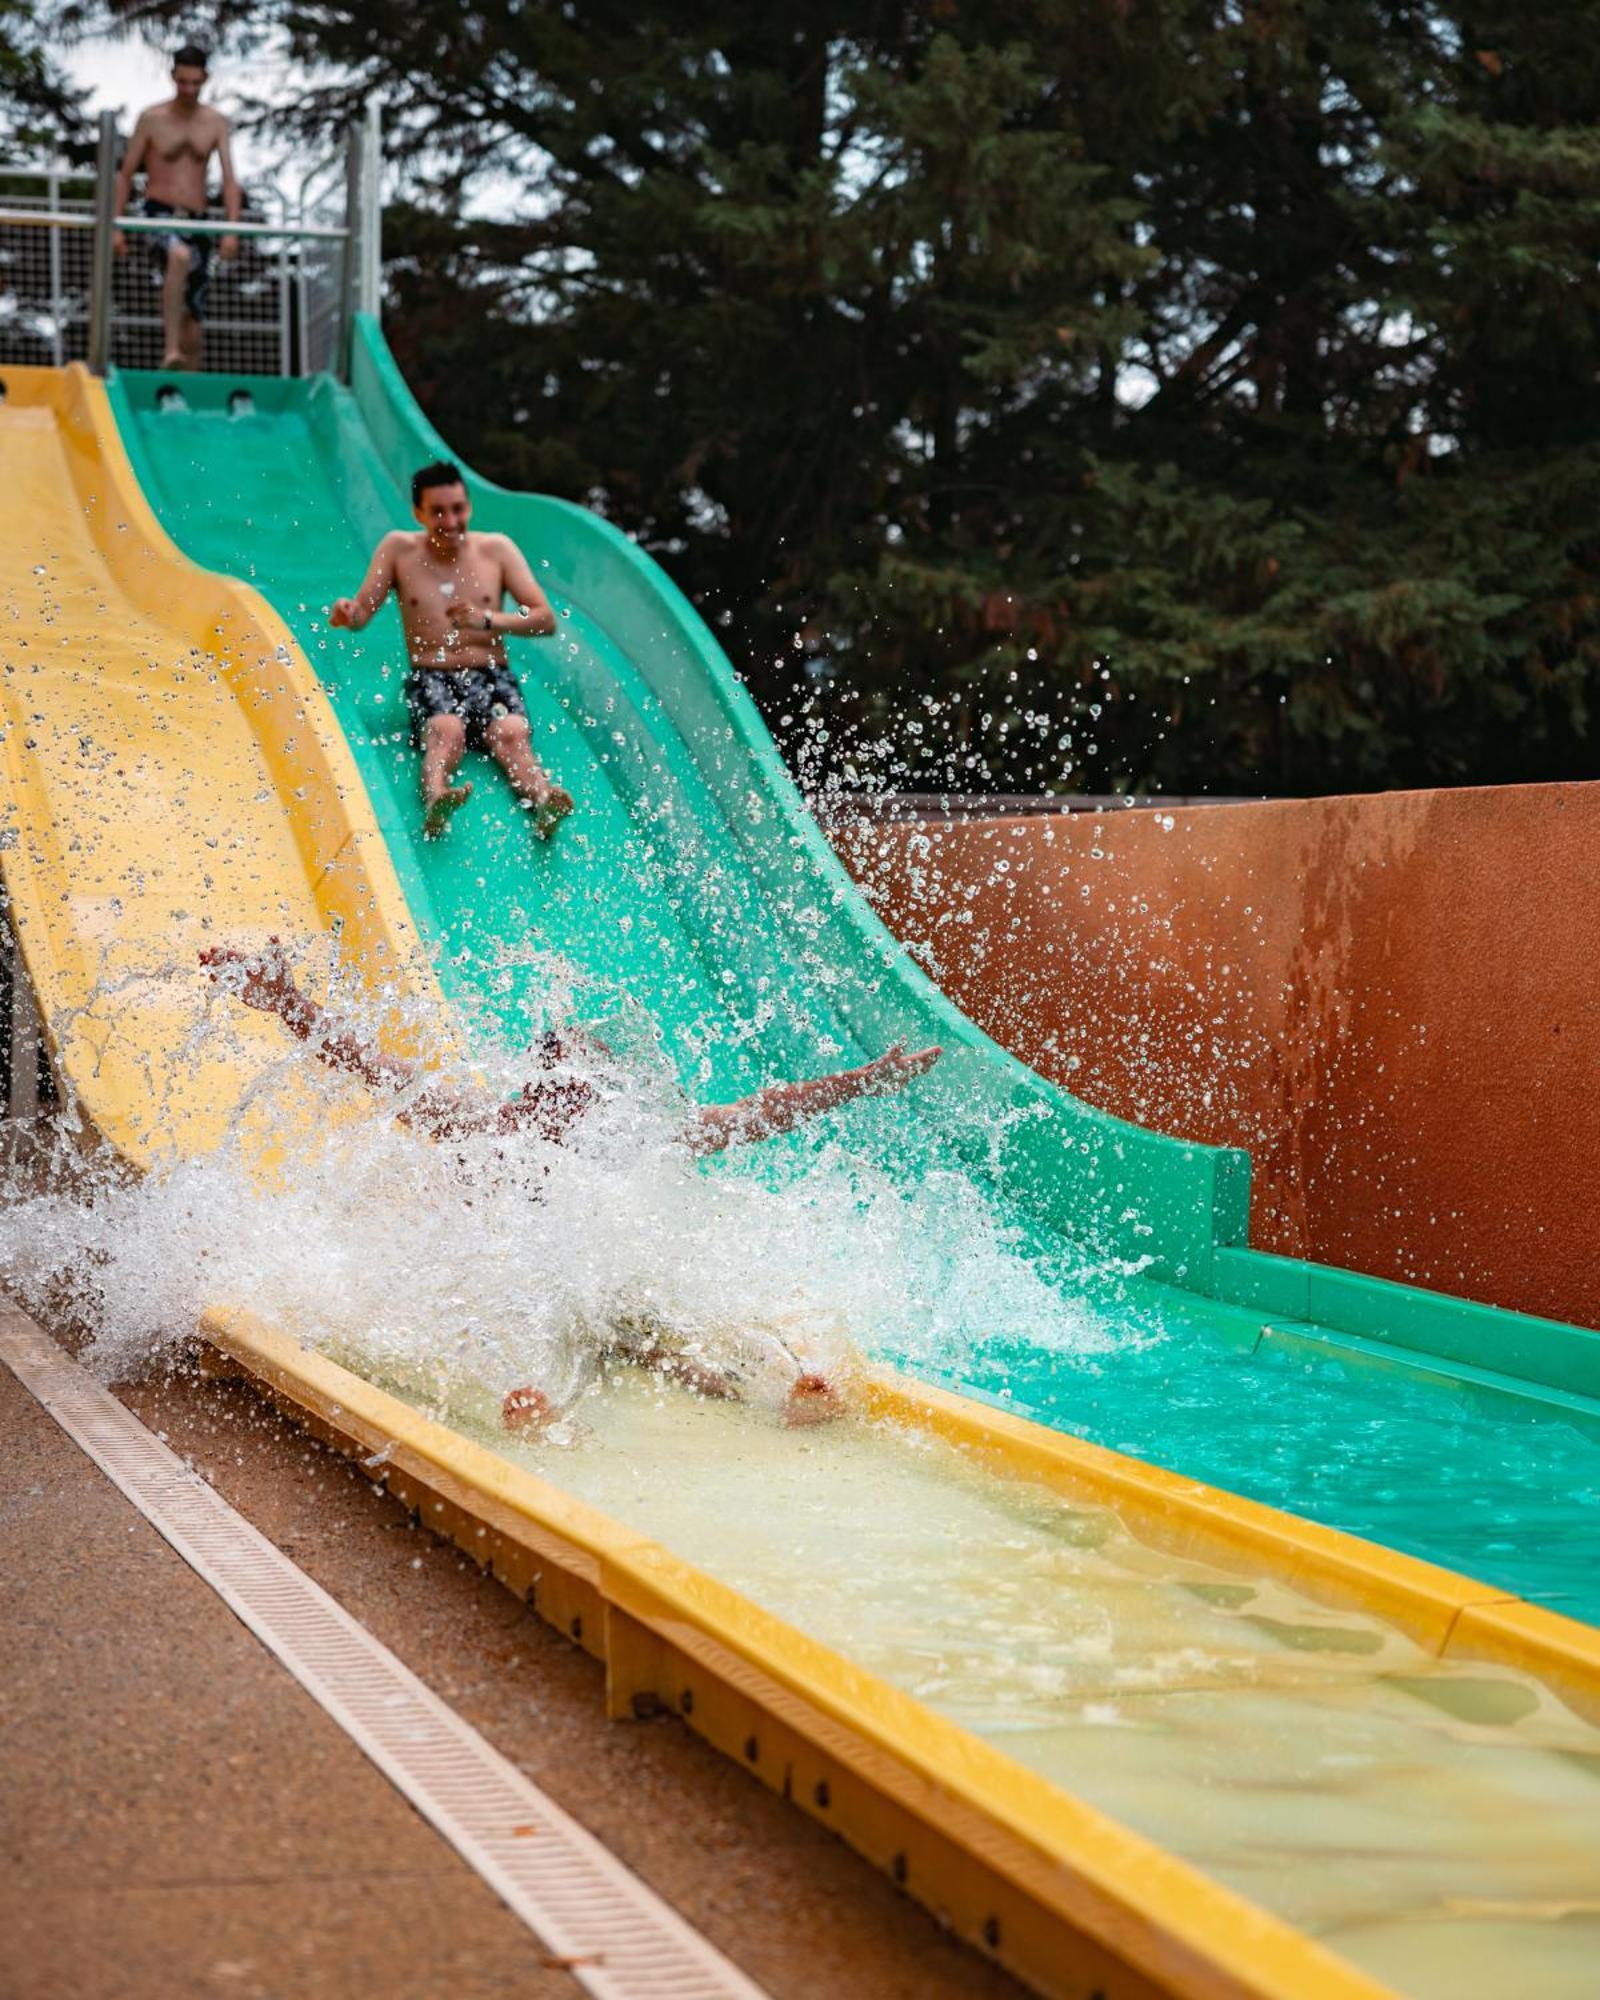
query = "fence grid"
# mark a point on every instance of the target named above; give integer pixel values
(281, 307)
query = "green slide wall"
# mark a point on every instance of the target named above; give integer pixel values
(693, 879)
(691, 876)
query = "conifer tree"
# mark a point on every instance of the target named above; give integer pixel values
(41, 111)
(1189, 393)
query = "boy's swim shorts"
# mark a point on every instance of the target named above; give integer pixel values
(478, 695)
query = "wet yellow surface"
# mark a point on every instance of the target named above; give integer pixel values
(1438, 1825)
(170, 781)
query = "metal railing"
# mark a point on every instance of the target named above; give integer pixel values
(283, 306)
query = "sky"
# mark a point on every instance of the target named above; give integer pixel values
(125, 73)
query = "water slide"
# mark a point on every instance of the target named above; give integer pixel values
(1121, 1730)
(693, 881)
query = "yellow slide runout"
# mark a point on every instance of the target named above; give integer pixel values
(173, 777)
(1073, 1902)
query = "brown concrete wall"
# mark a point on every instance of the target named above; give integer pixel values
(1393, 1001)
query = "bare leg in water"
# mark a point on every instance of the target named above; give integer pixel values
(442, 750)
(510, 744)
(265, 981)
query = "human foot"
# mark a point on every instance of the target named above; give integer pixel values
(550, 811)
(440, 810)
(526, 1409)
(812, 1399)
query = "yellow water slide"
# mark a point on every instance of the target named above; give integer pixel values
(173, 777)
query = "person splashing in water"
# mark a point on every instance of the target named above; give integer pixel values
(460, 690)
(550, 1106)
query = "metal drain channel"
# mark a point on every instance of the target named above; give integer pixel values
(618, 1939)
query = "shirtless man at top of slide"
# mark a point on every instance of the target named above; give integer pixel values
(173, 143)
(460, 690)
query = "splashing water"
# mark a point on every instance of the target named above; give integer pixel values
(458, 1270)
(455, 1273)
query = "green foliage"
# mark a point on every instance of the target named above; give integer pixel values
(40, 111)
(1195, 393)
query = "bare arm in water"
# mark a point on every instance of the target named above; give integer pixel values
(780, 1107)
(266, 983)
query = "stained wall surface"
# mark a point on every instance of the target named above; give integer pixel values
(1392, 1000)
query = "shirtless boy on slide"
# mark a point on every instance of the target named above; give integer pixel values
(551, 1106)
(173, 143)
(460, 689)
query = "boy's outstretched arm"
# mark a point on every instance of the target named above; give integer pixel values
(783, 1106)
(267, 984)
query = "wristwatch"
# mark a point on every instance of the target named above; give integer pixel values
(488, 621)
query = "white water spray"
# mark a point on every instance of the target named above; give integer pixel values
(460, 1269)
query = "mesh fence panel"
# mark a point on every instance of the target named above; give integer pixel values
(320, 291)
(44, 273)
(243, 314)
(275, 309)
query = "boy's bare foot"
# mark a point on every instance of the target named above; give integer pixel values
(812, 1400)
(438, 815)
(174, 360)
(526, 1409)
(551, 810)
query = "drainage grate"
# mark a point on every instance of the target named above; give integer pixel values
(619, 1940)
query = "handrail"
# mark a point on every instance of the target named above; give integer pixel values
(165, 224)
(338, 262)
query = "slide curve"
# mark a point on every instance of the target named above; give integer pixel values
(691, 877)
(173, 774)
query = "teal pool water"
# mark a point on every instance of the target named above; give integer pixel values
(1505, 1495)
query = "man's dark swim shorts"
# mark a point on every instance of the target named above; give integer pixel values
(199, 248)
(478, 695)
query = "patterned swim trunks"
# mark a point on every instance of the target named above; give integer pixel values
(199, 248)
(478, 695)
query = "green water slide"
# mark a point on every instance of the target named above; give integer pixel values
(691, 876)
(693, 884)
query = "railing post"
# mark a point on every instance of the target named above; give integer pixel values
(369, 293)
(284, 305)
(58, 350)
(350, 258)
(105, 189)
(363, 221)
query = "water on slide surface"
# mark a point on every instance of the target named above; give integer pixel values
(293, 499)
(1438, 1824)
